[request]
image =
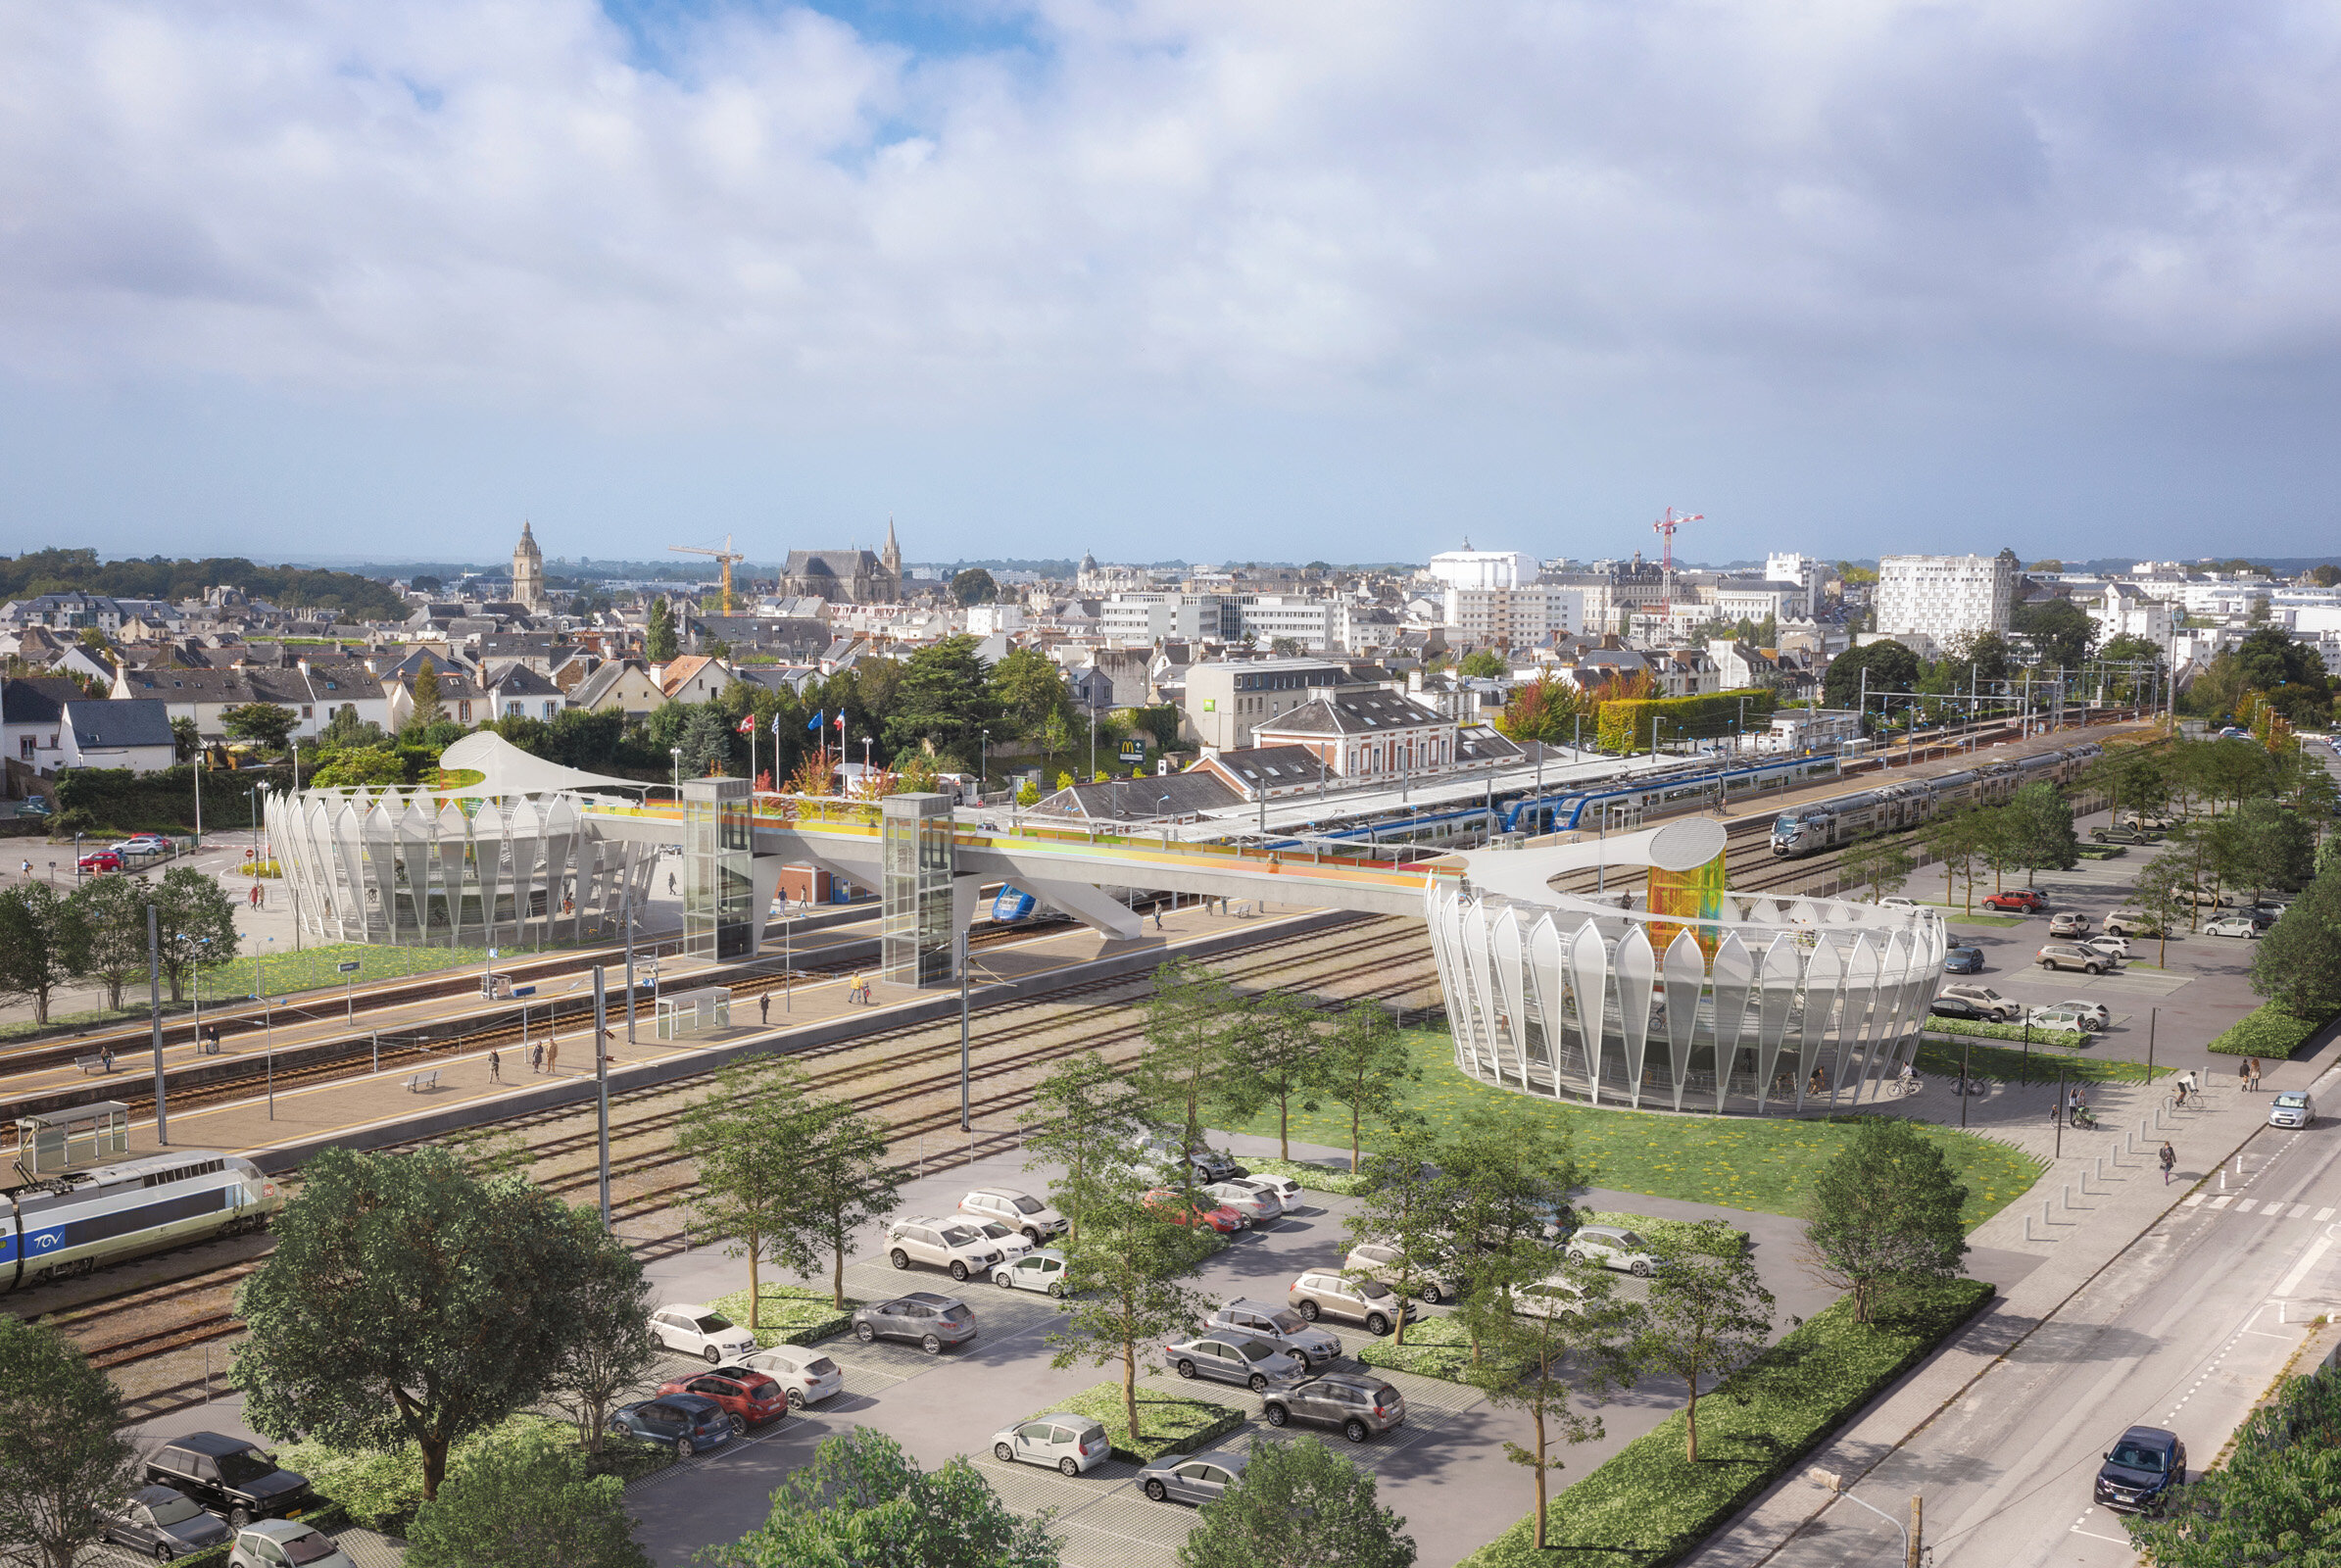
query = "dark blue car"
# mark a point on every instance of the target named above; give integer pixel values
(685, 1422)
(2140, 1470)
(1964, 960)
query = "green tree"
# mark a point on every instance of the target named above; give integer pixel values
(525, 1500)
(1274, 1063)
(2162, 895)
(2272, 1503)
(186, 741)
(610, 1352)
(2271, 847)
(1364, 1067)
(198, 926)
(63, 1460)
(2039, 830)
(1547, 710)
(1193, 1019)
(1883, 1214)
(111, 911)
(1409, 1205)
(44, 942)
(944, 696)
(740, 1136)
(1893, 669)
(1084, 1121)
(407, 1300)
(1956, 841)
(1028, 690)
(845, 1184)
(1881, 863)
(2061, 632)
(1298, 1504)
(2133, 667)
(1515, 1179)
(1124, 1290)
(262, 723)
(661, 644)
(356, 765)
(707, 740)
(2128, 776)
(2289, 673)
(974, 586)
(426, 694)
(1708, 1314)
(1484, 662)
(2297, 964)
(864, 1503)
(346, 728)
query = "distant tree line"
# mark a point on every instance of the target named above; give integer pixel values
(58, 571)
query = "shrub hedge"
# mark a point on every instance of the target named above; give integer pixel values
(2268, 1030)
(789, 1314)
(1316, 1178)
(1434, 1347)
(1648, 1506)
(1625, 724)
(1986, 1029)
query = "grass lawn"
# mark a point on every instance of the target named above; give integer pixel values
(286, 972)
(1939, 1058)
(1169, 1423)
(66, 1023)
(1434, 1347)
(788, 1314)
(1737, 1162)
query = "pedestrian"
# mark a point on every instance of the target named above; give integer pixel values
(853, 988)
(671, 884)
(552, 1056)
(25, 869)
(1157, 917)
(536, 1057)
(1815, 1087)
(2254, 1075)
(495, 1067)
(764, 1007)
(2170, 1157)
(2243, 1075)
(106, 1052)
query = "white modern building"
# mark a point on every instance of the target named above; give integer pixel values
(1484, 568)
(1808, 573)
(1515, 618)
(1942, 598)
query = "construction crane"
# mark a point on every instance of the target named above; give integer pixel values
(727, 554)
(1665, 529)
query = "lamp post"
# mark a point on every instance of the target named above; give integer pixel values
(983, 764)
(676, 752)
(964, 1124)
(154, 1002)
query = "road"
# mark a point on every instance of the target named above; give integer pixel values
(2184, 1330)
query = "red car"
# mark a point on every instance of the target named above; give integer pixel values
(2023, 901)
(100, 861)
(749, 1397)
(1169, 1205)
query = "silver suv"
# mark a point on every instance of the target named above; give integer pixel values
(2072, 955)
(923, 1318)
(1614, 1246)
(1986, 1001)
(1435, 1280)
(1322, 1292)
(1359, 1403)
(1203, 1165)
(1018, 1211)
(947, 1244)
(1282, 1327)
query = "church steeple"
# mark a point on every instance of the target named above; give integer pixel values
(891, 558)
(528, 573)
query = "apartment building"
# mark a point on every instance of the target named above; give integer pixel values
(1514, 617)
(1938, 598)
(1227, 701)
(1478, 569)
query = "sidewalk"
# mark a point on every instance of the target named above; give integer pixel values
(2099, 1198)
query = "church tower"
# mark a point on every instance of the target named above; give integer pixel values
(891, 558)
(529, 573)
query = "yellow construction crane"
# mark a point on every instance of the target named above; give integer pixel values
(727, 554)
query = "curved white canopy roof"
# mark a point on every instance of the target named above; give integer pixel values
(506, 770)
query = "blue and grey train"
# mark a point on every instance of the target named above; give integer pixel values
(1803, 830)
(83, 1220)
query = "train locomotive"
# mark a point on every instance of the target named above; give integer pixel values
(1802, 830)
(78, 1221)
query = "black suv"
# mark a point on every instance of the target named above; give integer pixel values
(229, 1476)
(2140, 1470)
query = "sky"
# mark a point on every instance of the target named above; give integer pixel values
(1336, 280)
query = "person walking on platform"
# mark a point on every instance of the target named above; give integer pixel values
(495, 1067)
(552, 1056)
(536, 1057)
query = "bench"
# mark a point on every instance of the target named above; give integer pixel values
(416, 1083)
(93, 1064)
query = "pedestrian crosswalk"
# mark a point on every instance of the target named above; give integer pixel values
(2274, 1209)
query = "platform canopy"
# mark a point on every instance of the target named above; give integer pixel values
(504, 770)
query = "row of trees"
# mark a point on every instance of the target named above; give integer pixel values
(98, 932)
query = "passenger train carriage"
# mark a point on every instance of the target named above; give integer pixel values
(1803, 830)
(82, 1220)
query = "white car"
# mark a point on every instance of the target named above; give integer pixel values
(701, 1331)
(1249, 1201)
(2230, 925)
(1019, 1211)
(1287, 1188)
(2111, 947)
(285, 1543)
(1898, 903)
(1013, 1244)
(1550, 1296)
(808, 1376)
(1070, 1443)
(1614, 1246)
(1043, 1271)
(2096, 1013)
(952, 1245)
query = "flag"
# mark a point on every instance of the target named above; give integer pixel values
(776, 727)
(841, 720)
(746, 725)
(819, 715)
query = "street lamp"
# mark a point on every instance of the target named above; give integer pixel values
(983, 764)
(676, 752)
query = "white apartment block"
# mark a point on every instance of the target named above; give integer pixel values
(1315, 626)
(1226, 702)
(1808, 573)
(1515, 618)
(1484, 568)
(2128, 610)
(1942, 598)
(1318, 626)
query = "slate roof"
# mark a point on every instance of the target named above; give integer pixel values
(1137, 800)
(1345, 712)
(37, 698)
(131, 721)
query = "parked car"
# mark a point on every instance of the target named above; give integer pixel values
(2022, 901)
(1191, 1478)
(32, 805)
(1258, 1205)
(1043, 1271)
(1435, 1279)
(2111, 947)
(2262, 918)
(2271, 906)
(1963, 960)
(164, 1523)
(285, 1543)
(1321, 1293)
(805, 1375)
(1013, 1244)
(749, 1396)
(2124, 835)
(1280, 1327)
(952, 1245)
(1286, 1190)
(1898, 903)
(100, 860)
(1548, 1296)
(2231, 925)
(1163, 1203)
(701, 1331)
(2144, 822)
(2139, 1470)
(2070, 1019)
(2292, 1108)
(687, 1423)
(1991, 1002)
(1614, 1246)
(229, 1476)
(1018, 1210)
(1234, 1358)
(2072, 955)
(2204, 898)
(1358, 1402)
(143, 843)
(2068, 923)
(1070, 1443)
(2131, 923)
(1163, 1157)
(922, 1318)
(2095, 1014)
(1957, 1008)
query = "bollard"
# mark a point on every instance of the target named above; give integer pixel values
(2068, 1195)
(2223, 1178)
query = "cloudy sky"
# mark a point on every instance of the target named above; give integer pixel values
(1335, 278)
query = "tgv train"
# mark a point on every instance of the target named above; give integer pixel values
(83, 1220)
(1685, 788)
(1803, 830)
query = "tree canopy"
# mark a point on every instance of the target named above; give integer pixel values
(974, 586)
(525, 1500)
(1298, 1504)
(1891, 669)
(864, 1503)
(1885, 1214)
(944, 696)
(63, 1457)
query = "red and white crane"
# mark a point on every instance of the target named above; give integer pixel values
(1665, 529)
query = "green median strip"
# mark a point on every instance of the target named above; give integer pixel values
(788, 1314)
(1649, 1505)
(1316, 1178)
(1941, 1059)
(2266, 1031)
(1169, 1423)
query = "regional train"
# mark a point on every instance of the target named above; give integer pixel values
(83, 1220)
(1803, 830)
